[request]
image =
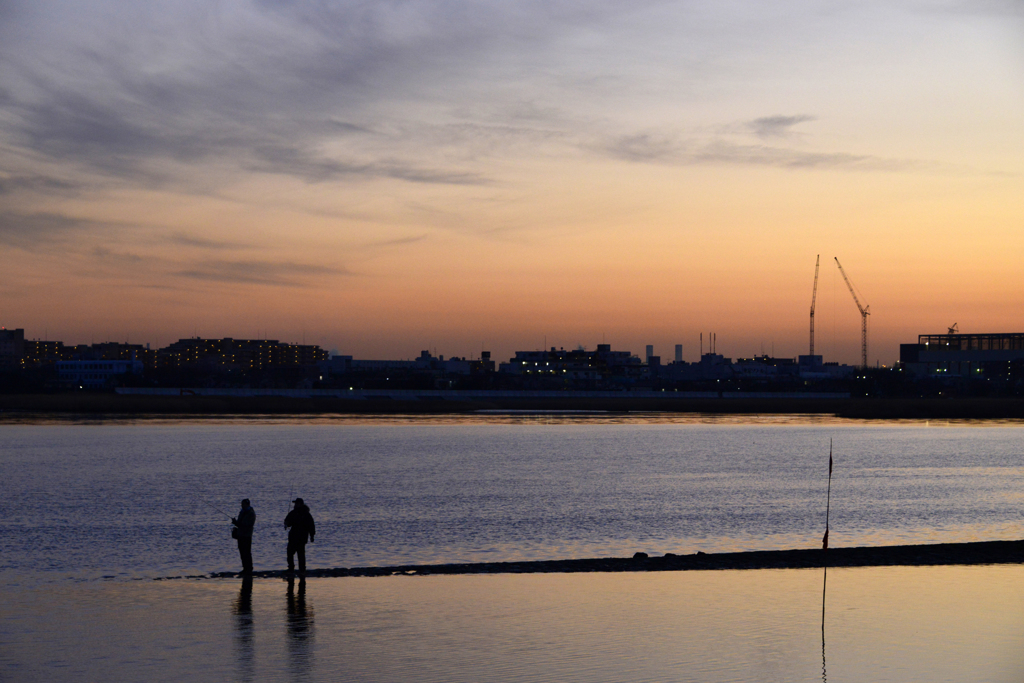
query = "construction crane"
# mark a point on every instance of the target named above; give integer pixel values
(864, 313)
(814, 297)
(954, 329)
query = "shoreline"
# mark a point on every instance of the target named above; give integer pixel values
(973, 553)
(108, 405)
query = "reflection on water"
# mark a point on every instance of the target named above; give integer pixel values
(245, 632)
(907, 624)
(824, 675)
(299, 625)
(824, 586)
(501, 418)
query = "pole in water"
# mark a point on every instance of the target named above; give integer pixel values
(828, 498)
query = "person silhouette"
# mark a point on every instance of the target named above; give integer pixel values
(244, 524)
(301, 528)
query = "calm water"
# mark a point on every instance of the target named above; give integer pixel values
(84, 508)
(132, 499)
(902, 624)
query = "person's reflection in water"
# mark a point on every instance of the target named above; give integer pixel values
(300, 631)
(245, 632)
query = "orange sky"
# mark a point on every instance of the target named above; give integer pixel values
(381, 179)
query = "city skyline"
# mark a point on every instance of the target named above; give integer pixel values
(706, 345)
(385, 178)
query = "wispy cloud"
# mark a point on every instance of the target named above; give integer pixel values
(186, 240)
(37, 183)
(122, 258)
(643, 147)
(267, 86)
(664, 149)
(32, 231)
(397, 242)
(291, 161)
(260, 272)
(777, 126)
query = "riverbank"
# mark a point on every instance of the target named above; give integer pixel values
(984, 552)
(20, 406)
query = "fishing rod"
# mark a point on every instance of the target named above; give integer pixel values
(215, 508)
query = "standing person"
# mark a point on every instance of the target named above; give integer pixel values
(244, 524)
(300, 526)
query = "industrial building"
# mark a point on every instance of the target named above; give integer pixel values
(962, 355)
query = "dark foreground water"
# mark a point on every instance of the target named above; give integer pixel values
(900, 624)
(87, 508)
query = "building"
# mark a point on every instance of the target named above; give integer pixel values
(765, 367)
(38, 352)
(95, 374)
(119, 351)
(240, 354)
(559, 361)
(12, 348)
(962, 355)
(438, 371)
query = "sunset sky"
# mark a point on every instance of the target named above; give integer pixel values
(385, 177)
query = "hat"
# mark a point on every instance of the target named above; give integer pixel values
(298, 500)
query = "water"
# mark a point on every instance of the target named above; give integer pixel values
(904, 624)
(85, 508)
(126, 500)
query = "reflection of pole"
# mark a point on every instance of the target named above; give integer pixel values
(824, 677)
(824, 550)
(823, 585)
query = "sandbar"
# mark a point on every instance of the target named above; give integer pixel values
(982, 552)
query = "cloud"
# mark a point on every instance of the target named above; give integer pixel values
(777, 126)
(37, 183)
(204, 243)
(267, 86)
(763, 155)
(35, 230)
(73, 125)
(664, 149)
(400, 171)
(398, 242)
(117, 258)
(644, 147)
(260, 272)
(294, 162)
(197, 94)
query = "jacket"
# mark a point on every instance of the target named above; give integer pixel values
(300, 525)
(245, 522)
